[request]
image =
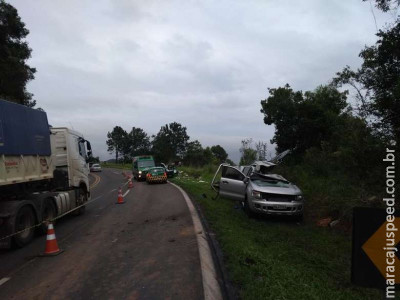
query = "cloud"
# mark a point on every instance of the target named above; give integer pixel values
(205, 64)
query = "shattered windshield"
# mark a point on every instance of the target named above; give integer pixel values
(270, 183)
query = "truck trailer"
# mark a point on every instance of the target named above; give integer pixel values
(44, 173)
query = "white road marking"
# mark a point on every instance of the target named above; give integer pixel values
(114, 241)
(126, 183)
(4, 280)
(116, 173)
(113, 190)
(211, 286)
(96, 198)
(126, 193)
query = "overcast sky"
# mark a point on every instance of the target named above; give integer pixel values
(204, 64)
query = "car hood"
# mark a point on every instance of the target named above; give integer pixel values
(290, 189)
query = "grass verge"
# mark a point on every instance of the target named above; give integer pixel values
(275, 258)
(116, 166)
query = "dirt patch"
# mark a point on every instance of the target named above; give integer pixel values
(186, 231)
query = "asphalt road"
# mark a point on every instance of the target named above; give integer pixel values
(143, 249)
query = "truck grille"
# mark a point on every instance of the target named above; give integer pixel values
(278, 197)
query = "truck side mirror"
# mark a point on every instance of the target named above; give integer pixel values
(89, 149)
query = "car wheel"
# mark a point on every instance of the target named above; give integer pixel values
(246, 208)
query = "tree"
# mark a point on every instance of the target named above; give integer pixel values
(14, 52)
(378, 80)
(386, 5)
(137, 142)
(195, 154)
(208, 157)
(93, 159)
(304, 120)
(280, 109)
(198, 156)
(116, 141)
(170, 142)
(249, 155)
(219, 153)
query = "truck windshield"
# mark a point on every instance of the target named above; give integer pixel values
(146, 163)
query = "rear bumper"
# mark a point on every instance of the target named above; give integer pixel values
(277, 208)
(156, 179)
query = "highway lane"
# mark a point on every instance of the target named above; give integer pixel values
(12, 260)
(143, 249)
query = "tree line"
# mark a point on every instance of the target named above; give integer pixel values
(170, 144)
(331, 137)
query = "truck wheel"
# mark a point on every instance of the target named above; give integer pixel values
(48, 214)
(82, 198)
(25, 218)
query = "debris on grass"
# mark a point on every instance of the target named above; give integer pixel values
(324, 222)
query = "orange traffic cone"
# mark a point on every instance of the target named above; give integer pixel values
(51, 242)
(130, 185)
(120, 197)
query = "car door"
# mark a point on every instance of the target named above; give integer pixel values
(231, 184)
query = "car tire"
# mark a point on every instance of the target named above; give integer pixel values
(247, 210)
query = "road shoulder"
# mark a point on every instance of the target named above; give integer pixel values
(211, 285)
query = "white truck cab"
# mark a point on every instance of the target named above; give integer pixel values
(44, 172)
(70, 155)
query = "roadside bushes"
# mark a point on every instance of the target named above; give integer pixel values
(333, 182)
(205, 172)
(336, 155)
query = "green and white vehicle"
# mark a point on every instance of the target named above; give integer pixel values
(141, 164)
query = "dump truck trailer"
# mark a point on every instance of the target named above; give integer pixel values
(43, 173)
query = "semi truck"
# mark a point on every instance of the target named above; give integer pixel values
(44, 173)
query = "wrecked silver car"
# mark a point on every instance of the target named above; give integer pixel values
(258, 190)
